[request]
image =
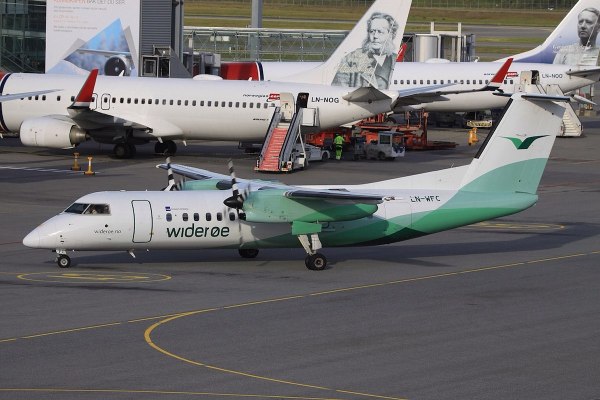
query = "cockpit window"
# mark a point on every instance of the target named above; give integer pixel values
(97, 209)
(82, 208)
(77, 208)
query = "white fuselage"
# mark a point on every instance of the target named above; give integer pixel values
(180, 108)
(198, 219)
(466, 75)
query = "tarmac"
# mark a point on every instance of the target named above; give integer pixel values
(503, 309)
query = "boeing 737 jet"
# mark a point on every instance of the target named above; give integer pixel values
(218, 211)
(352, 85)
(562, 64)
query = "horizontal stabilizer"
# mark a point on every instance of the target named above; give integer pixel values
(365, 94)
(583, 73)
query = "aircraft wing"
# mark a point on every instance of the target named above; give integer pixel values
(433, 93)
(275, 193)
(16, 96)
(89, 119)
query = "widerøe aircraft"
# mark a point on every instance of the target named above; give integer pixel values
(131, 111)
(547, 65)
(215, 211)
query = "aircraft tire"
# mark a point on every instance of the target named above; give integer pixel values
(122, 150)
(248, 253)
(63, 261)
(132, 150)
(160, 148)
(316, 262)
(171, 147)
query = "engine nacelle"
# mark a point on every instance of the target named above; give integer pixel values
(117, 65)
(51, 132)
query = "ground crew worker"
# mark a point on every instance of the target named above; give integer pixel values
(339, 143)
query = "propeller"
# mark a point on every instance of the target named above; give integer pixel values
(172, 185)
(237, 199)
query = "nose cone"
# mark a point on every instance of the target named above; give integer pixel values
(32, 239)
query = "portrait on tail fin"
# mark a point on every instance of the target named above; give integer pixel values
(584, 51)
(373, 63)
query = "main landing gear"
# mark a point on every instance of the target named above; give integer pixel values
(314, 261)
(124, 150)
(166, 147)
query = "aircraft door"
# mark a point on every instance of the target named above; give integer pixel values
(286, 100)
(142, 221)
(105, 101)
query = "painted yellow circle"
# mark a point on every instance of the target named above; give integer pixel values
(93, 277)
(515, 226)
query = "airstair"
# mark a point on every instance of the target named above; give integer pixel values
(571, 124)
(279, 151)
(282, 136)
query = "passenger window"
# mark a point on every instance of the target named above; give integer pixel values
(428, 81)
(129, 100)
(169, 217)
(208, 216)
(222, 104)
(237, 104)
(57, 98)
(219, 216)
(201, 103)
(135, 101)
(208, 103)
(178, 102)
(171, 102)
(251, 105)
(193, 103)
(164, 102)
(244, 105)
(184, 216)
(232, 216)
(196, 217)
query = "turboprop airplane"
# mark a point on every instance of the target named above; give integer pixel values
(218, 211)
(561, 64)
(126, 112)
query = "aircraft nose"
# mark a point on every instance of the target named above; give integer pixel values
(32, 239)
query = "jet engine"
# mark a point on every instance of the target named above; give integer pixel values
(116, 65)
(51, 132)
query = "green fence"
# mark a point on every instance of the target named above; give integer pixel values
(499, 4)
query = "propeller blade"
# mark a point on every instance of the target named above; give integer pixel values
(236, 200)
(172, 185)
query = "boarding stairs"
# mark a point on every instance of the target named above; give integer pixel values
(571, 124)
(280, 140)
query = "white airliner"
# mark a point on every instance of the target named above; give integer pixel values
(540, 65)
(131, 111)
(212, 212)
(126, 112)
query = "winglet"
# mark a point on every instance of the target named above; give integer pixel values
(86, 94)
(500, 75)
